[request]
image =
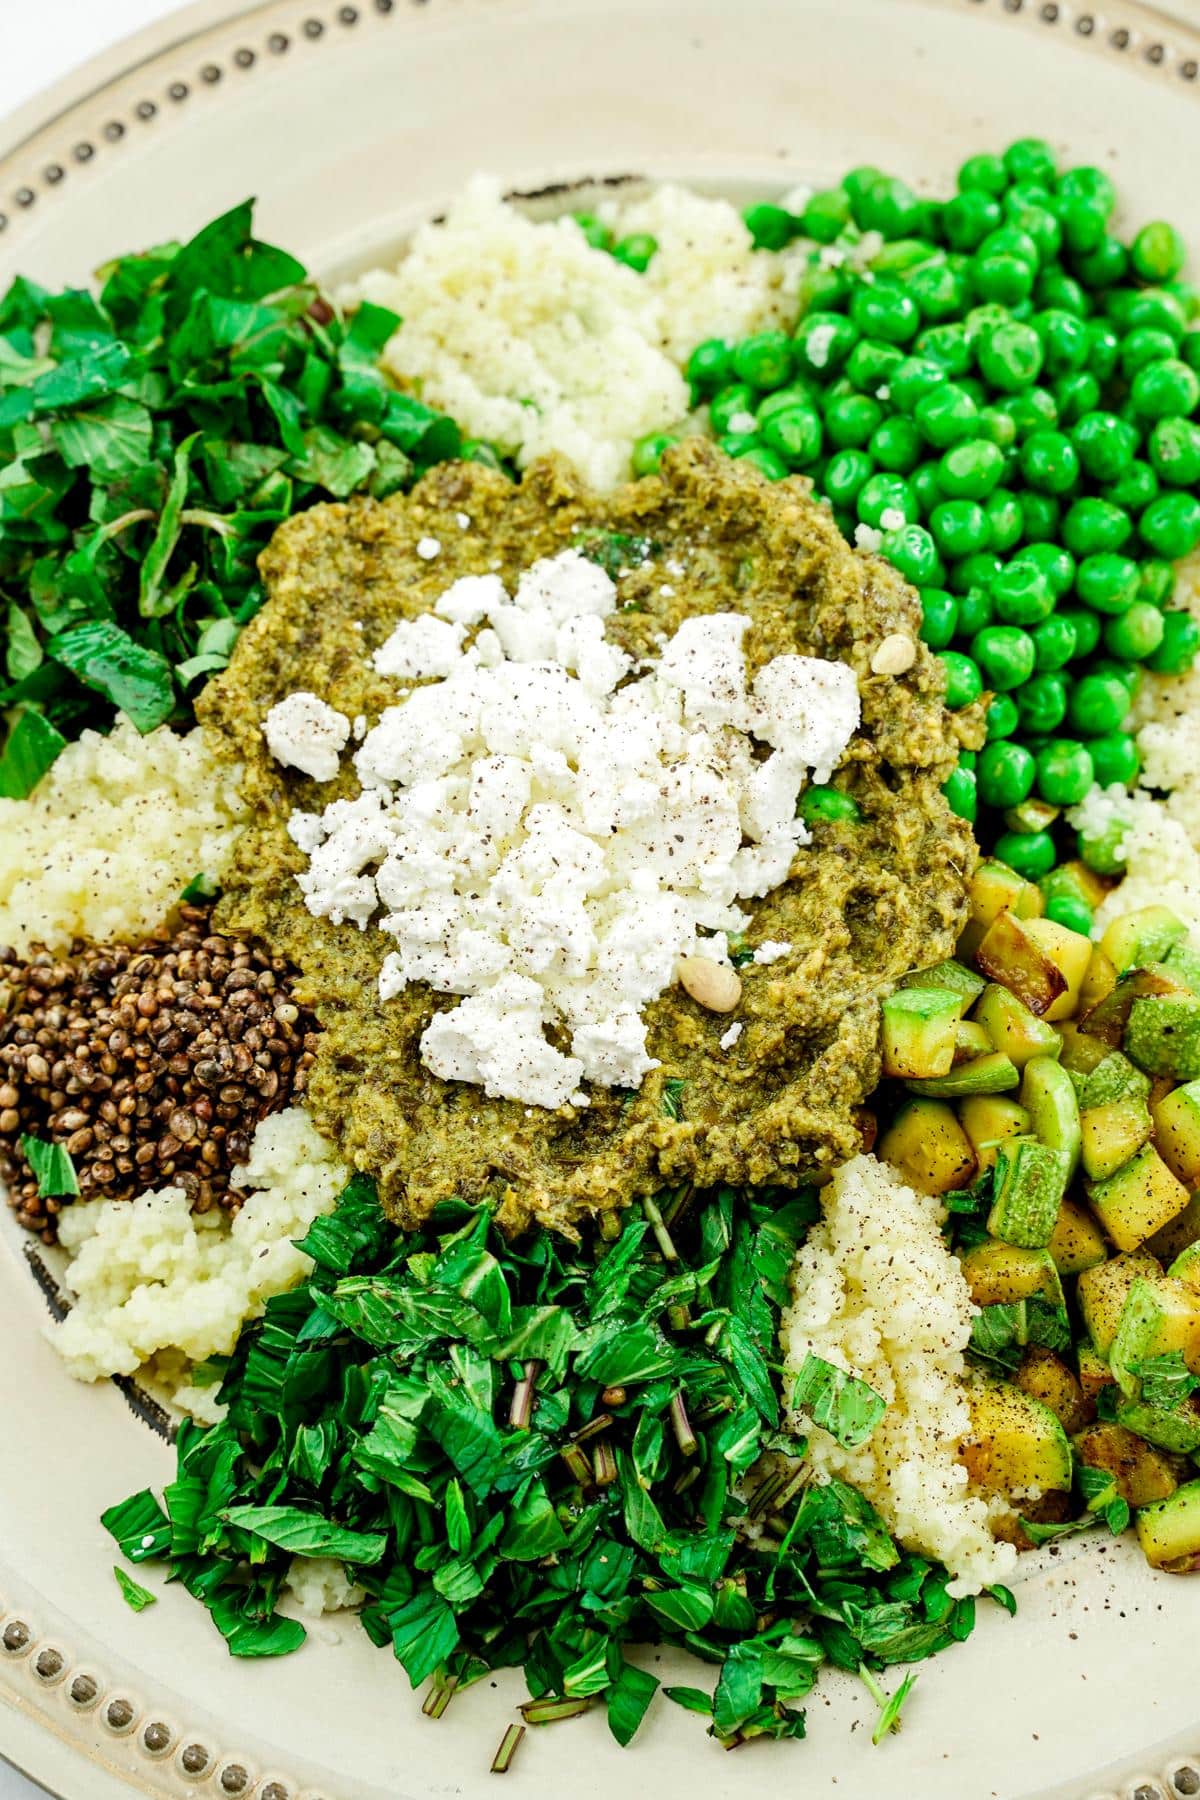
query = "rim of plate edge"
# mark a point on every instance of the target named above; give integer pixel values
(62, 1722)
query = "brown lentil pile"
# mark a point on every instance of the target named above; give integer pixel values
(151, 1063)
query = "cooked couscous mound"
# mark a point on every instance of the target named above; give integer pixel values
(112, 835)
(150, 1277)
(879, 1294)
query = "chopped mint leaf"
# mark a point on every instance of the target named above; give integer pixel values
(56, 1177)
(847, 1408)
(1166, 1380)
(135, 1595)
(33, 745)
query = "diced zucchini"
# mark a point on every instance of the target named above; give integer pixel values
(1012, 1028)
(1113, 1078)
(1138, 1200)
(1142, 1473)
(1094, 1372)
(1046, 1377)
(1182, 963)
(1169, 1531)
(1080, 1053)
(970, 1041)
(1087, 884)
(995, 889)
(918, 1030)
(1160, 1316)
(1178, 1233)
(949, 974)
(929, 1147)
(993, 1074)
(1003, 1274)
(1109, 1018)
(1015, 1442)
(1177, 1132)
(1103, 1290)
(1030, 1182)
(1112, 1133)
(988, 1119)
(1032, 815)
(1048, 1094)
(1186, 1268)
(1137, 939)
(1076, 1243)
(1163, 1035)
(1098, 982)
(1172, 1428)
(1011, 957)
(1071, 954)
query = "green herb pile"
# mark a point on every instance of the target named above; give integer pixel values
(537, 1455)
(151, 440)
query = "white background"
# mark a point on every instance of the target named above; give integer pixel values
(39, 41)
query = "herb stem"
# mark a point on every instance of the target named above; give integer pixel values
(604, 1465)
(665, 1241)
(502, 1761)
(594, 1427)
(439, 1697)
(685, 1437)
(578, 1464)
(549, 1710)
(521, 1407)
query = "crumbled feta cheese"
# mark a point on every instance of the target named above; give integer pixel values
(819, 345)
(729, 1038)
(428, 548)
(867, 538)
(548, 838)
(308, 734)
(770, 951)
(359, 727)
(891, 518)
(742, 422)
(463, 521)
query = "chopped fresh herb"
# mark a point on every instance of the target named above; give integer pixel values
(538, 1454)
(672, 1096)
(201, 888)
(615, 551)
(502, 1761)
(1166, 1380)
(151, 440)
(890, 1705)
(847, 1408)
(1000, 1333)
(53, 1167)
(1099, 1489)
(135, 1595)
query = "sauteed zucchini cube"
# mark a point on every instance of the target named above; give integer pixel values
(1112, 1133)
(1178, 1233)
(1004, 1274)
(1186, 1268)
(1138, 1200)
(1070, 952)
(1177, 1132)
(1012, 1028)
(1169, 1531)
(1142, 1473)
(1182, 963)
(1163, 1035)
(1102, 1293)
(1048, 1094)
(997, 889)
(1046, 1377)
(989, 1119)
(1100, 978)
(949, 974)
(992, 1074)
(1160, 1315)
(1093, 1370)
(1172, 1428)
(1135, 940)
(1077, 1242)
(929, 1147)
(1008, 955)
(1031, 1180)
(919, 1026)
(1015, 1442)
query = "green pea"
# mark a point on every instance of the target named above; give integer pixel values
(967, 759)
(1189, 349)
(887, 206)
(1084, 225)
(986, 172)
(594, 230)
(1157, 252)
(997, 425)
(949, 346)
(1064, 340)
(1092, 524)
(970, 470)
(939, 617)
(945, 415)
(1012, 240)
(1136, 633)
(709, 364)
(1175, 452)
(729, 403)
(896, 445)
(885, 311)
(1104, 348)
(1103, 851)
(1135, 489)
(822, 342)
(1098, 705)
(798, 392)
(1104, 266)
(478, 450)
(969, 217)
(1152, 308)
(845, 474)
(1065, 772)
(1107, 582)
(794, 434)
(1031, 159)
(964, 684)
(1055, 288)
(1033, 410)
(1001, 278)
(1005, 655)
(1075, 395)
(926, 491)
(850, 419)
(1005, 520)
(1041, 513)
(1163, 389)
(884, 493)
(1028, 853)
(821, 290)
(1072, 911)
(1170, 525)
(1055, 642)
(1179, 647)
(1086, 182)
(1156, 582)
(764, 458)
(647, 451)
(1144, 347)
(975, 609)
(1049, 462)
(1055, 563)
(959, 527)
(764, 360)
(871, 364)
(1087, 627)
(1104, 444)
(911, 550)
(737, 443)
(1128, 674)
(1021, 594)
(960, 793)
(1042, 703)
(1002, 717)
(912, 378)
(826, 215)
(771, 227)
(1005, 774)
(900, 256)
(822, 805)
(637, 251)
(938, 289)
(1115, 758)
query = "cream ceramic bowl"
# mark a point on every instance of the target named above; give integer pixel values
(350, 122)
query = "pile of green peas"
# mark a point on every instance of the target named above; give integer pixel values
(1001, 397)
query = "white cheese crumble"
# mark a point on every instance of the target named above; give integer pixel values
(770, 951)
(428, 548)
(547, 835)
(729, 1038)
(891, 518)
(867, 538)
(308, 734)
